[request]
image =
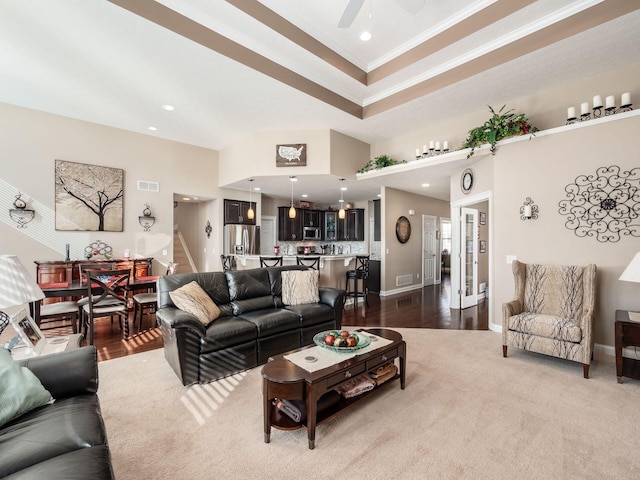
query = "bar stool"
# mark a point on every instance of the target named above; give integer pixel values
(270, 262)
(360, 273)
(312, 262)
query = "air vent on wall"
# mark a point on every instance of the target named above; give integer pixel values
(404, 280)
(148, 186)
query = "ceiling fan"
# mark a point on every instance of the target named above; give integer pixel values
(353, 8)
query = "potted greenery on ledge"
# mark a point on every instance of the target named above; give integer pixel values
(499, 126)
(379, 162)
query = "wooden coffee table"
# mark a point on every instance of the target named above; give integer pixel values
(282, 379)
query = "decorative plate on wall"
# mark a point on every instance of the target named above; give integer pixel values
(403, 229)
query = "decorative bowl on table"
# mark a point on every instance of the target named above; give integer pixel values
(341, 340)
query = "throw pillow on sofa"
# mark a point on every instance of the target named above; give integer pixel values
(194, 300)
(20, 390)
(300, 286)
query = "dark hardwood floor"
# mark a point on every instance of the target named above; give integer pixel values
(424, 308)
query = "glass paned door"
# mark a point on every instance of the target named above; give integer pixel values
(469, 257)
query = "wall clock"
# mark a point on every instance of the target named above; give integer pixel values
(403, 229)
(466, 181)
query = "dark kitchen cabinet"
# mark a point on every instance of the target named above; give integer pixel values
(351, 228)
(312, 218)
(237, 211)
(289, 229)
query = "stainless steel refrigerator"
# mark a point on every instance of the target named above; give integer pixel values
(241, 240)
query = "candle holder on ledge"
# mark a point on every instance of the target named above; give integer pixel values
(625, 108)
(571, 120)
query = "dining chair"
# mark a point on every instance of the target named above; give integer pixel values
(55, 315)
(106, 296)
(313, 262)
(270, 262)
(148, 300)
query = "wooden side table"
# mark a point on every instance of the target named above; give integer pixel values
(627, 335)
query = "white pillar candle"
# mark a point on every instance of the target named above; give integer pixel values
(424, 149)
(527, 211)
(445, 145)
(626, 99)
(437, 145)
(571, 112)
(431, 144)
(417, 152)
(584, 108)
(597, 101)
(610, 102)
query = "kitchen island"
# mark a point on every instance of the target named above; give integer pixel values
(332, 267)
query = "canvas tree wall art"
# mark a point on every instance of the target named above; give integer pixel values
(88, 197)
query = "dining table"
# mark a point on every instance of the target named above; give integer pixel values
(78, 289)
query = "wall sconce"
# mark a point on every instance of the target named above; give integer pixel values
(528, 210)
(208, 229)
(21, 214)
(146, 220)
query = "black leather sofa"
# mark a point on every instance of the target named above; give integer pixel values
(65, 440)
(254, 323)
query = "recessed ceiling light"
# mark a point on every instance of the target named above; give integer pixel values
(379, 195)
(365, 36)
(426, 185)
(168, 108)
(186, 198)
(304, 195)
(153, 129)
(343, 188)
(293, 178)
(341, 201)
(256, 189)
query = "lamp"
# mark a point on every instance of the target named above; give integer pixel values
(632, 274)
(341, 212)
(250, 213)
(292, 210)
(20, 213)
(18, 287)
(146, 220)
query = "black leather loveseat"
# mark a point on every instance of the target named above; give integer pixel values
(254, 323)
(65, 440)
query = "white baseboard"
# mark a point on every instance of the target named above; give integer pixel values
(395, 291)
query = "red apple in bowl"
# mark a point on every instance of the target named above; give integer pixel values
(344, 334)
(329, 339)
(352, 342)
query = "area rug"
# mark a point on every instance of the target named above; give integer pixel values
(466, 413)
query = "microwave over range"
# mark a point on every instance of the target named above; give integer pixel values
(311, 233)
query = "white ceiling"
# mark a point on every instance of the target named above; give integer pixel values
(97, 61)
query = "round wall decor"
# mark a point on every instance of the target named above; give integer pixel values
(466, 181)
(403, 229)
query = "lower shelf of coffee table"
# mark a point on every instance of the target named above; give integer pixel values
(281, 421)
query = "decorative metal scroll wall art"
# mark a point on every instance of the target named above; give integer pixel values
(605, 205)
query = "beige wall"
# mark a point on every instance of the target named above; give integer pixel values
(547, 109)
(541, 169)
(255, 155)
(405, 258)
(31, 141)
(348, 155)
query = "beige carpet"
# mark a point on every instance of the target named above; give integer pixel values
(466, 413)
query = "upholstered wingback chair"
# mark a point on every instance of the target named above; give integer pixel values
(552, 312)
